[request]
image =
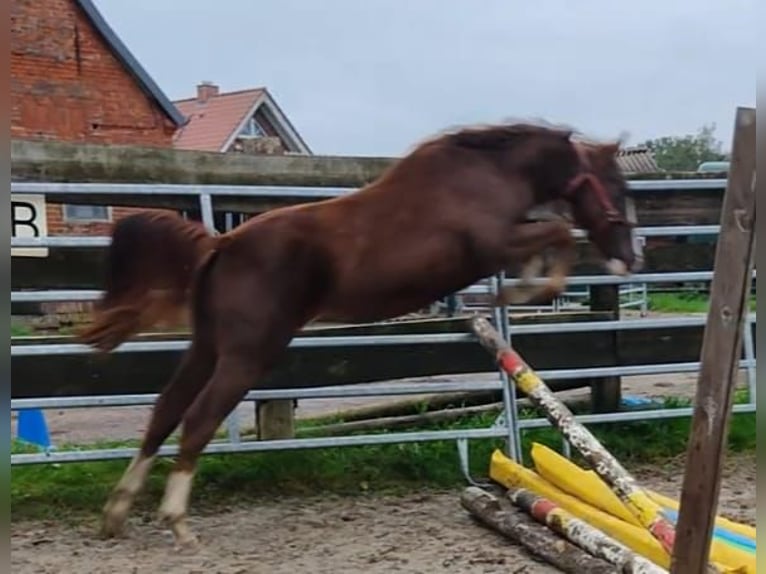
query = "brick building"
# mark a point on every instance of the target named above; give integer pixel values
(72, 79)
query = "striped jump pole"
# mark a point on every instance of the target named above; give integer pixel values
(649, 513)
(582, 534)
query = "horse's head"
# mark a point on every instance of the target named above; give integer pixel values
(585, 174)
(599, 196)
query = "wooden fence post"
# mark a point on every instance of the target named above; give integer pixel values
(275, 419)
(720, 355)
(606, 392)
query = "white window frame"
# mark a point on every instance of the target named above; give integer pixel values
(69, 217)
(252, 129)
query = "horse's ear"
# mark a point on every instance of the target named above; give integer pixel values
(623, 138)
(609, 149)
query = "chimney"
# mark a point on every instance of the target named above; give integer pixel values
(205, 91)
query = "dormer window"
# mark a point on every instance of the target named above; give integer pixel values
(252, 129)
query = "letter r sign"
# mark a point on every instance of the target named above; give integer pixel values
(28, 220)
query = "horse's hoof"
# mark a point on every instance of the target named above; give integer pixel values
(114, 515)
(186, 542)
(111, 526)
(512, 296)
(188, 546)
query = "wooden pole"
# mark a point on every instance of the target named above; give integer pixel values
(582, 534)
(414, 406)
(276, 420)
(403, 421)
(606, 392)
(514, 524)
(720, 355)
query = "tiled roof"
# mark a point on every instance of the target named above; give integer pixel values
(637, 160)
(212, 122)
(121, 52)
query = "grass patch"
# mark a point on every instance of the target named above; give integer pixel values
(684, 302)
(20, 331)
(76, 491)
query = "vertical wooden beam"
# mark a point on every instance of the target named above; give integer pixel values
(606, 392)
(720, 354)
(275, 419)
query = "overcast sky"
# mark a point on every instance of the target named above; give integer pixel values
(372, 77)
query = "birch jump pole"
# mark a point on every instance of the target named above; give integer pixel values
(582, 534)
(649, 514)
(513, 523)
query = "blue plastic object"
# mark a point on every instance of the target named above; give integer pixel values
(637, 402)
(735, 539)
(32, 428)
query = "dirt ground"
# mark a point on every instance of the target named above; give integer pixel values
(422, 533)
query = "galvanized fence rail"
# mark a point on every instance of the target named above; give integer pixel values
(509, 425)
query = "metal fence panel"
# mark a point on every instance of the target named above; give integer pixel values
(510, 433)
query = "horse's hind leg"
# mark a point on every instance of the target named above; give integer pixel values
(189, 378)
(237, 369)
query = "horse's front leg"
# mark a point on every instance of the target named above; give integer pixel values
(526, 245)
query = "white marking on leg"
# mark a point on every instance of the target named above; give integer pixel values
(177, 491)
(135, 475)
(532, 269)
(124, 493)
(175, 505)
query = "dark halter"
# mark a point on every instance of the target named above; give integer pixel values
(587, 180)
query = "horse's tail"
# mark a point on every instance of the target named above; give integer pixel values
(200, 290)
(150, 267)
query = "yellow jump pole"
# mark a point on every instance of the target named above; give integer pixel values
(635, 498)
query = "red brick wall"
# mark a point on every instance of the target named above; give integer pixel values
(67, 85)
(57, 225)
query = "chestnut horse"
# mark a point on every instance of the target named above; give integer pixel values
(451, 212)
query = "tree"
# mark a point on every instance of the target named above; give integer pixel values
(685, 153)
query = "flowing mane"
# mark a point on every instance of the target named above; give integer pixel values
(494, 137)
(501, 137)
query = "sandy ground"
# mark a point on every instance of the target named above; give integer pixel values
(421, 533)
